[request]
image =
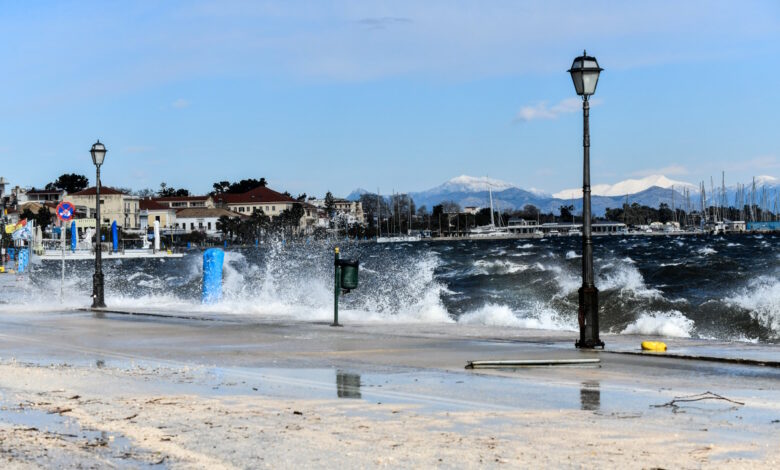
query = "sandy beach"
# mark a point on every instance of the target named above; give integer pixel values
(87, 391)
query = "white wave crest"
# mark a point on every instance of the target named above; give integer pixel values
(671, 324)
(571, 254)
(762, 298)
(538, 317)
(627, 279)
(499, 266)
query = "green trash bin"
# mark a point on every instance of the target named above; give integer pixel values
(349, 273)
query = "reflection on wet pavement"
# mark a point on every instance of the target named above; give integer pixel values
(590, 396)
(347, 385)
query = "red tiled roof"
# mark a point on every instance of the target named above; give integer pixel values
(181, 198)
(202, 212)
(103, 190)
(257, 195)
(152, 205)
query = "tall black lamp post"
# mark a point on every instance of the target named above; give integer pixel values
(98, 152)
(585, 74)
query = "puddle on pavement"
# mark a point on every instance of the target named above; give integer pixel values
(113, 447)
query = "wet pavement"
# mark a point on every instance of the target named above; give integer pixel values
(422, 365)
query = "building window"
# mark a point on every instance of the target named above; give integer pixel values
(157, 218)
(192, 225)
(273, 208)
(240, 209)
(208, 224)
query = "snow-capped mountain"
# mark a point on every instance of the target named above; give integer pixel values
(629, 186)
(650, 191)
(468, 184)
(355, 194)
(768, 181)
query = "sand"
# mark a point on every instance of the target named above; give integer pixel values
(61, 407)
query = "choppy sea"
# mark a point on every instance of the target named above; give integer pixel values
(721, 287)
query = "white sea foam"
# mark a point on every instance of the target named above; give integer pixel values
(499, 266)
(762, 298)
(706, 251)
(671, 324)
(404, 292)
(571, 254)
(567, 281)
(525, 246)
(537, 317)
(627, 279)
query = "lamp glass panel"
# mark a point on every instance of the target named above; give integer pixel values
(576, 77)
(589, 81)
(589, 64)
(98, 153)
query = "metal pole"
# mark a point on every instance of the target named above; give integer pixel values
(336, 287)
(97, 279)
(588, 294)
(62, 278)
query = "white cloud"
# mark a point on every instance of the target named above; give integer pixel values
(180, 103)
(542, 111)
(383, 22)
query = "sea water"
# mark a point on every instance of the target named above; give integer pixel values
(722, 287)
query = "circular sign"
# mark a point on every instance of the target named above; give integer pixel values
(65, 211)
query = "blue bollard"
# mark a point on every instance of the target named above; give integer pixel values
(23, 260)
(225, 243)
(74, 237)
(212, 275)
(257, 242)
(188, 245)
(114, 236)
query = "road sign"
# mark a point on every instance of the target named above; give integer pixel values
(65, 211)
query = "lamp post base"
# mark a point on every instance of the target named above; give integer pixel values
(97, 291)
(589, 319)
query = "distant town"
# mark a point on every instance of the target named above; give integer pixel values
(248, 210)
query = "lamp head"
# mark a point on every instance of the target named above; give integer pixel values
(98, 152)
(585, 72)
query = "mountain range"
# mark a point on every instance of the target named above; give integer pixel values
(650, 191)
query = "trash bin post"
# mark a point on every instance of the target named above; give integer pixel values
(336, 287)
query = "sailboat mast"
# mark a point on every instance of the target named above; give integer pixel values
(378, 213)
(490, 192)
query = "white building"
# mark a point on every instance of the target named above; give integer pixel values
(352, 210)
(203, 219)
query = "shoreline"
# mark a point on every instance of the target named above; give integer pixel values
(184, 393)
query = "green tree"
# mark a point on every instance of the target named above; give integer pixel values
(330, 204)
(566, 213)
(228, 226)
(70, 182)
(221, 187)
(42, 218)
(170, 191)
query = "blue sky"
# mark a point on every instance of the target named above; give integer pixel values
(318, 96)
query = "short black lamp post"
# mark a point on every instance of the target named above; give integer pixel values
(585, 74)
(98, 152)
